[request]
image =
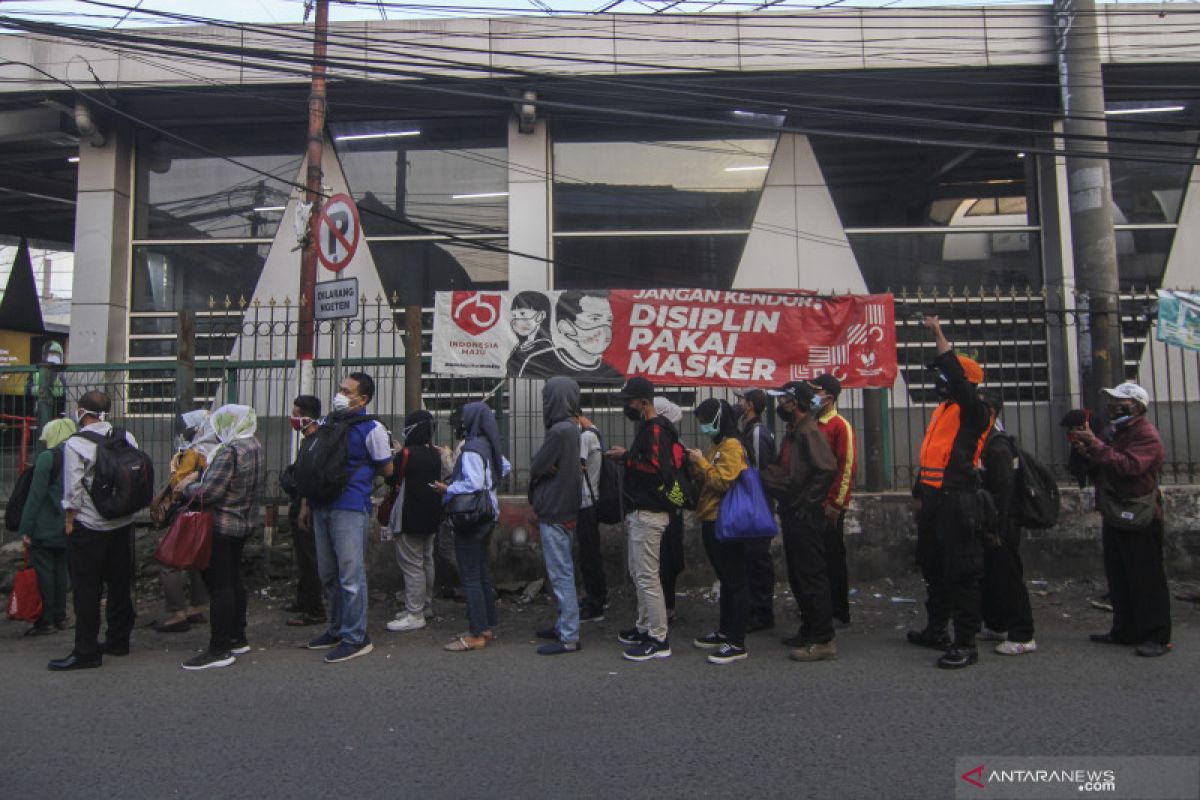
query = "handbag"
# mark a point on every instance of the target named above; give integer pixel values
(744, 512)
(1125, 513)
(25, 601)
(188, 543)
(160, 508)
(466, 512)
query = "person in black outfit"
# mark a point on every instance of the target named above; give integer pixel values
(1007, 614)
(759, 442)
(309, 605)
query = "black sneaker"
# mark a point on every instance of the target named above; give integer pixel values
(239, 647)
(591, 614)
(1153, 649)
(709, 641)
(207, 660)
(323, 642)
(558, 648)
(728, 653)
(958, 657)
(650, 648)
(632, 636)
(930, 637)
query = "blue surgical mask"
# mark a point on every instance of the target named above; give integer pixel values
(815, 404)
(708, 428)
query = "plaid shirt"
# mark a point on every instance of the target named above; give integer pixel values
(232, 486)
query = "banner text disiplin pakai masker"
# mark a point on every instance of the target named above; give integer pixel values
(679, 337)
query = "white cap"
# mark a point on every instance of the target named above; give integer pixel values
(1129, 391)
(666, 408)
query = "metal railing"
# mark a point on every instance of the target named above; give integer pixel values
(1024, 339)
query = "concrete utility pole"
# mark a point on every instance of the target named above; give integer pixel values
(1090, 196)
(312, 194)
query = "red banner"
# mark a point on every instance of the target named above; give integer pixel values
(682, 337)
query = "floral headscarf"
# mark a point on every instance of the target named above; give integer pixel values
(230, 423)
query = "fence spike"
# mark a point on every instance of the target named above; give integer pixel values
(257, 303)
(287, 301)
(395, 297)
(228, 302)
(1012, 291)
(212, 302)
(920, 292)
(271, 302)
(996, 291)
(378, 299)
(362, 301)
(303, 300)
(242, 301)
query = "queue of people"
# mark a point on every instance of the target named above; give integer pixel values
(968, 539)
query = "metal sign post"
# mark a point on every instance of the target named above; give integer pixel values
(336, 301)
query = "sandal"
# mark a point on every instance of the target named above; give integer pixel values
(463, 644)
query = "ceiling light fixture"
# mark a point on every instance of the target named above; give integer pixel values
(1149, 110)
(478, 196)
(358, 137)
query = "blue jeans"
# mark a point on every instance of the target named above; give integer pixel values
(471, 551)
(341, 538)
(556, 549)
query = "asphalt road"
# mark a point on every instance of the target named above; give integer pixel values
(413, 721)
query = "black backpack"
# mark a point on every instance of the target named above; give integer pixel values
(122, 477)
(322, 467)
(1036, 497)
(20, 492)
(606, 495)
(677, 490)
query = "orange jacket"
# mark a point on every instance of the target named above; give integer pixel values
(956, 434)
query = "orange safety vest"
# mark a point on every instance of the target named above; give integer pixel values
(938, 445)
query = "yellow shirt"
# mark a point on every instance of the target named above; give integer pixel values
(715, 473)
(189, 461)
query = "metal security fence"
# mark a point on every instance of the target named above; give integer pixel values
(1026, 341)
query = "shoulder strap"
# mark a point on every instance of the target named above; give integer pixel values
(92, 436)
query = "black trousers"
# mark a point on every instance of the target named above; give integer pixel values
(310, 596)
(1137, 583)
(729, 561)
(101, 562)
(835, 563)
(760, 575)
(226, 593)
(804, 547)
(591, 559)
(670, 557)
(950, 555)
(1005, 601)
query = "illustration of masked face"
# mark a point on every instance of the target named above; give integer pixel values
(591, 332)
(526, 321)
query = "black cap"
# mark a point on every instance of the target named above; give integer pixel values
(828, 383)
(799, 391)
(756, 398)
(637, 388)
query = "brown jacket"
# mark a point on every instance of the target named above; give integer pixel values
(1131, 460)
(804, 468)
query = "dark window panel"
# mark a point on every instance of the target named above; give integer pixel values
(943, 260)
(411, 270)
(631, 262)
(1142, 257)
(175, 277)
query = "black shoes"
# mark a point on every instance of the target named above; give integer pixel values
(932, 638)
(114, 649)
(591, 613)
(632, 636)
(1153, 649)
(74, 662)
(1108, 638)
(958, 657)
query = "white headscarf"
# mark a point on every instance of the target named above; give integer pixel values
(204, 441)
(665, 408)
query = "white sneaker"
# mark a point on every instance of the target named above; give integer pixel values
(1016, 648)
(406, 623)
(989, 635)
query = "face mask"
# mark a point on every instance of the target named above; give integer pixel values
(708, 428)
(815, 404)
(300, 423)
(942, 386)
(1120, 414)
(633, 413)
(54, 358)
(784, 414)
(340, 402)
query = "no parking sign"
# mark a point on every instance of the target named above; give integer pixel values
(338, 232)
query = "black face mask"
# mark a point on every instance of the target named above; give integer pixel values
(942, 387)
(633, 413)
(784, 414)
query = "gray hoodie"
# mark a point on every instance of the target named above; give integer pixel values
(556, 489)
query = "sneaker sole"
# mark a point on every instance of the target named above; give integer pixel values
(362, 651)
(651, 657)
(224, 662)
(319, 646)
(729, 659)
(1025, 652)
(241, 651)
(406, 628)
(706, 645)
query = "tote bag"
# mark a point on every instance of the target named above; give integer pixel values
(25, 602)
(744, 512)
(188, 543)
